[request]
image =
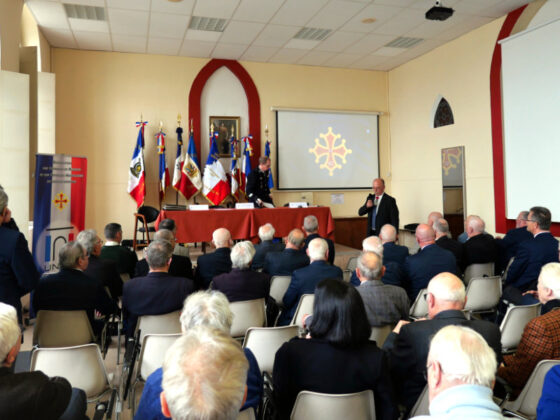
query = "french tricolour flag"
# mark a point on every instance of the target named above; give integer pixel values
(137, 173)
(215, 186)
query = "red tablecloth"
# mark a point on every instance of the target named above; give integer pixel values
(198, 225)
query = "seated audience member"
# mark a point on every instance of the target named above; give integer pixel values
(242, 283)
(18, 273)
(549, 403)
(541, 336)
(461, 374)
(6, 220)
(433, 217)
(311, 229)
(157, 293)
(391, 251)
(384, 304)
(210, 309)
(338, 358)
(507, 246)
(102, 270)
(32, 395)
(266, 235)
(408, 344)
(113, 250)
(210, 265)
(180, 266)
(169, 224)
(284, 263)
(480, 247)
(531, 256)
(430, 260)
(71, 289)
(393, 275)
(444, 240)
(204, 375)
(305, 279)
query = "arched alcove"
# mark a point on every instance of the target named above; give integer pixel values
(442, 113)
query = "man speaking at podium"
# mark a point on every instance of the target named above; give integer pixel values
(381, 209)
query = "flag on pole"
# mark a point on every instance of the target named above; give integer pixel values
(267, 154)
(137, 173)
(179, 161)
(215, 184)
(191, 181)
(163, 170)
(246, 167)
(234, 170)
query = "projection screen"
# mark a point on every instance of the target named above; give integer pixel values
(326, 149)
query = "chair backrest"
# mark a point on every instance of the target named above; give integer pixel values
(149, 212)
(247, 314)
(422, 405)
(478, 270)
(264, 342)
(62, 329)
(352, 264)
(305, 306)
(314, 405)
(527, 401)
(247, 414)
(82, 366)
(153, 351)
(278, 287)
(514, 322)
(380, 334)
(483, 293)
(419, 308)
(159, 324)
(347, 276)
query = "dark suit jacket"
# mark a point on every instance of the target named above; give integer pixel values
(304, 281)
(531, 256)
(394, 253)
(452, 245)
(125, 258)
(106, 272)
(180, 267)
(479, 249)
(329, 243)
(421, 267)
(155, 294)
(72, 290)
(262, 249)
(408, 350)
(507, 246)
(388, 212)
(284, 263)
(18, 273)
(210, 265)
(240, 285)
(316, 365)
(32, 395)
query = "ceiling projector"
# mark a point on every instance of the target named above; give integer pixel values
(438, 12)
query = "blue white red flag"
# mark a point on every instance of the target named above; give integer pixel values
(235, 172)
(191, 181)
(164, 181)
(179, 161)
(246, 167)
(137, 173)
(267, 154)
(215, 184)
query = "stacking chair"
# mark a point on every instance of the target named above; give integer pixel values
(422, 405)
(525, 406)
(247, 314)
(278, 287)
(380, 334)
(419, 308)
(483, 294)
(264, 342)
(247, 414)
(514, 323)
(159, 324)
(305, 306)
(62, 329)
(314, 405)
(352, 264)
(478, 270)
(145, 215)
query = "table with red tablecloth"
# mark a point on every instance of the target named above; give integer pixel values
(198, 225)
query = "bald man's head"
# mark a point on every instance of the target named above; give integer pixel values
(222, 238)
(445, 291)
(388, 233)
(425, 235)
(433, 216)
(475, 225)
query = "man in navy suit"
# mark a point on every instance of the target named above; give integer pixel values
(18, 274)
(480, 247)
(427, 263)
(292, 257)
(507, 246)
(242, 283)
(391, 251)
(266, 234)
(157, 293)
(381, 209)
(311, 229)
(531, 256)
(305, 279)
(210, 265)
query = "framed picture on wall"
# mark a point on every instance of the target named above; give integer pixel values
(226, 128)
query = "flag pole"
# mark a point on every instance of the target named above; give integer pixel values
(177, 191)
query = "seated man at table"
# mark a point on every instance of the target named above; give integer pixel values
(266, 235)
(291, 258)
(210, 265)
(169, 224)
(311, 229)
(242, 283)
(113, 250)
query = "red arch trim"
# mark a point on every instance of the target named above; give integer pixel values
(252, 100)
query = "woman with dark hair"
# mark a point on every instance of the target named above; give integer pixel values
(338, 358)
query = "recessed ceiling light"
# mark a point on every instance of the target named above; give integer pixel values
(368, 20)
(174, 1)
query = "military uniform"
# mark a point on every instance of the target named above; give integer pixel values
(257, 186)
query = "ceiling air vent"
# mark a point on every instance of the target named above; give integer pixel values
(312, 34)
(207, 24)
(404, 42)
(78, 11)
